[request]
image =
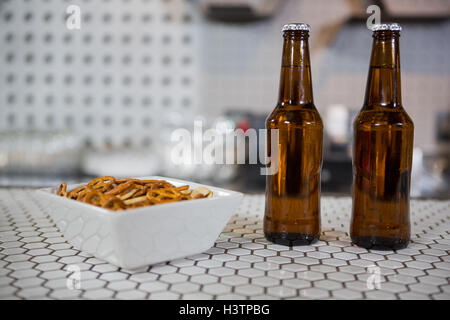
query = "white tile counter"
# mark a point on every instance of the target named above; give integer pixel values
(36, 262)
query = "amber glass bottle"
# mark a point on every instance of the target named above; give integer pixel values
(292, 213)
(382, 153)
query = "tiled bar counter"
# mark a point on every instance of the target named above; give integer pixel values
(36, 262)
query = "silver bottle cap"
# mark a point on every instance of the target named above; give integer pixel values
(387, 26)
(296, 26)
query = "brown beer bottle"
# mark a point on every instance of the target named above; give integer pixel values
(292, 213)
(382, 152)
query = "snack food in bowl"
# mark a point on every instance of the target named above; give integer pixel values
(168, 226)
(121, 194)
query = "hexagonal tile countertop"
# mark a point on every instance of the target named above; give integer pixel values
(36, 262)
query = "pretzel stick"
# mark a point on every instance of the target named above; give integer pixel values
(135, 200)
(127, 195)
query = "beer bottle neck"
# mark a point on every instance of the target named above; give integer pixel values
(383, 83)
(295, 81)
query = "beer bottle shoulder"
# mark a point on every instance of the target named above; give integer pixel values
(297, 116)
(384, 117)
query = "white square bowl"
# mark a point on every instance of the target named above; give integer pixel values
(147, 235)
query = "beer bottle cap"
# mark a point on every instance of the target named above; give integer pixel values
(296, 26)
(387, 26)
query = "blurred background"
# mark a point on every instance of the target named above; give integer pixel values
(103, 99)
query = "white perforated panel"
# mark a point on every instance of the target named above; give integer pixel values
(133, 59)
(109, 81)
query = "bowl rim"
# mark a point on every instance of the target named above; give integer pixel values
(50, 193)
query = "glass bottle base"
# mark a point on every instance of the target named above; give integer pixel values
(380, 243)
(291, 239)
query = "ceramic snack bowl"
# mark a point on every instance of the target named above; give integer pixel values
(146, 235)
